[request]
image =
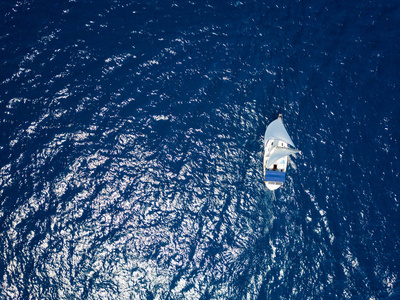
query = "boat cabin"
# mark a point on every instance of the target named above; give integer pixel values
(277, 177)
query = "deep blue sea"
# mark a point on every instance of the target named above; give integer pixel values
(131, 143)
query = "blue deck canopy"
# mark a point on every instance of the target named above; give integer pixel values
(275, 176)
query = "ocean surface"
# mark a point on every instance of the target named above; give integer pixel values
(131, 141)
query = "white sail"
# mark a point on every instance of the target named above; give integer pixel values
(278, 153)
(277, 130)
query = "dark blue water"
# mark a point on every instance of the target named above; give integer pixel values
(131, 149)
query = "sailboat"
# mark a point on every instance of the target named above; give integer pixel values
(277, 147)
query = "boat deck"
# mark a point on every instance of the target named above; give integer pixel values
(274, 177)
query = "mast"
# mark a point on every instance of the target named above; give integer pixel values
(278, 131)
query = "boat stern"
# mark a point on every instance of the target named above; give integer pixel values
(274, 179)
(273, 185)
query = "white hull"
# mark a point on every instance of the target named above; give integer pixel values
(278, 146)
(281, 165)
